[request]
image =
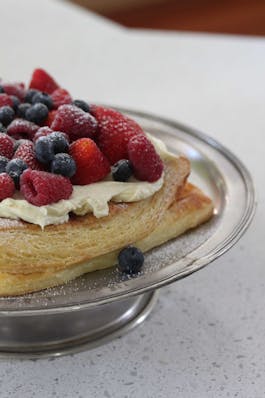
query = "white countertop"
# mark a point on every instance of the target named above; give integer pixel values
(205, 338)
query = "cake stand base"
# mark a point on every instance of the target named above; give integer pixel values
(54, 335)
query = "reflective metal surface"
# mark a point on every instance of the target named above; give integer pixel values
(214, 169)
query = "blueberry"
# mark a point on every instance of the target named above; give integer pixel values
(59, 142)
(130, 260)
(63, 164)
(122, 170)
(2, 128)
(30, 94)
(7, 114)
(15, 168)
(82, 105)
(37, 113)
(3, 163)
(16, 102)
(42, 98)
(1, 89)
(22, 108)
(44, 150)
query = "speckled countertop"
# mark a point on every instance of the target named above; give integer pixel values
(205, 337)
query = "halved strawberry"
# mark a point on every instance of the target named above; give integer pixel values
(114, 132)
(42, 81)
(91, 164)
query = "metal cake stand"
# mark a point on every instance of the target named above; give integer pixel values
(102, 305)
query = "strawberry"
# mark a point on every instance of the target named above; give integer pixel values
(75, 122)
(5, 100)
(61, 97)
(6, 146)
(91, 164)
(114, 132)
(42, 81)
(147, 164)
(21, 128)
(41, 188)
(26, 152)
(17, 89)
(7, 186)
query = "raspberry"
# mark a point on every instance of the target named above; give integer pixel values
(50, 118)
(75, 122)
(21, 128)
(17, 89)
(41, 188)
(5, 100)
(26, 152)
(42, 81)
(91, 164)
(147, 165)
(114, 132)
(6, 146)
(61, 97)
(42, 132)
(7, 186)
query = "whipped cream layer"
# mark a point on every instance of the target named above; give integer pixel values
(92, 198)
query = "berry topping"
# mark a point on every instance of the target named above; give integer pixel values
(147, 165)
(30, 94)
(17, 89)
(60, 142)
(15, 168)
(91, 164)
(26, 153)
(42, 98)
(7, 114)
(2, 128)
(7, 186)
(3, 163)
(5, 100)
(37, 113)
(42, 132)
(41, 188)
(22, 109)
(130, 260)
(114, 132)
(50, 144)
(61, 97)
(42, 81)
(6, 146)
(82, 105)
(1, 89)
(21, 128)
(15, 101)
(122, 170)
(50, 118)
(75, 122)
(63, 164)
(44, 150)
(20, 142)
